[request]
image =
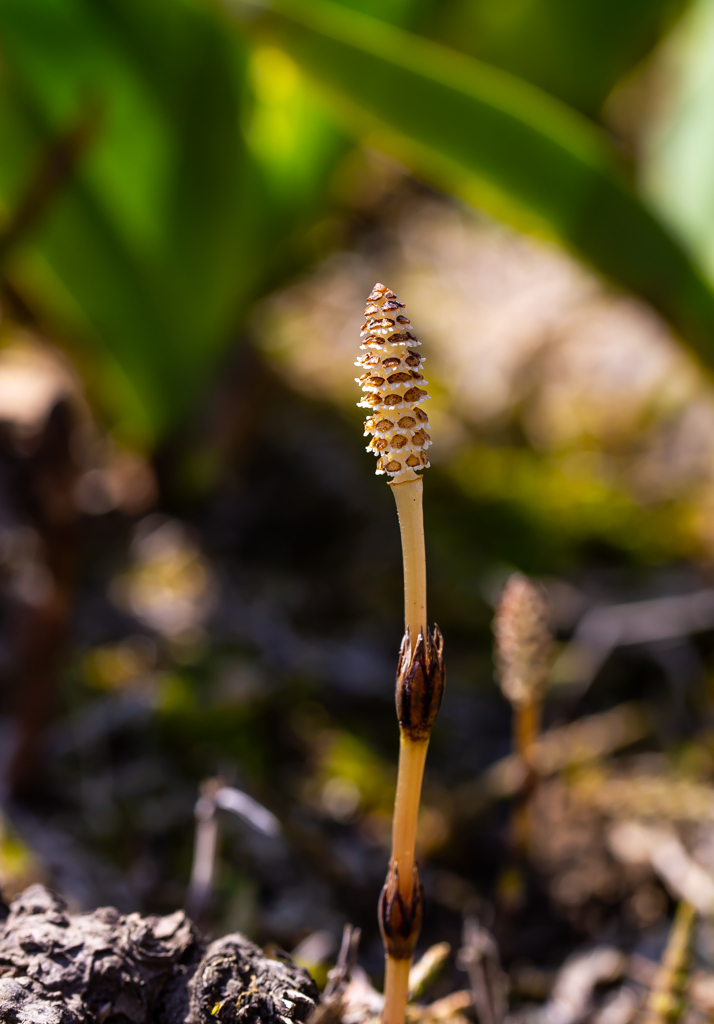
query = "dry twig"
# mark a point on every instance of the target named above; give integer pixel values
(479, 957)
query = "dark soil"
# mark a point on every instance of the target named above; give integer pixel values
(60, 968)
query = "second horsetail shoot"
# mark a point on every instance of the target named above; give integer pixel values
(393, 393)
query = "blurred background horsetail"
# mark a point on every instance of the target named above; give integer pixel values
(523, 655)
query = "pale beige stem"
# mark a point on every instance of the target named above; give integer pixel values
(406, 808)
(408, 496)
(396, 990)
(412, 755)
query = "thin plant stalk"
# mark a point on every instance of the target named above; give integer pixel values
(412, 755)
(396, 989)
(526, 730)
(409, 499)
(412, 752)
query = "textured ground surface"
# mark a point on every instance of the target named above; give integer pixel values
(57, 968)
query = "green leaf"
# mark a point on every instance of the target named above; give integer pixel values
(176, 219)
(575, 50)
(490, 136)
(142, 264)
(678, 169)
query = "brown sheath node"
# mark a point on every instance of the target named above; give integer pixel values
(421, 677)
(400, 919)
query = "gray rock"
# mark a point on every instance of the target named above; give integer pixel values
(110, 968)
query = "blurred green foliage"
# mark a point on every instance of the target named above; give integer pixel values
(679, 165)
(576, 51)
(568, 501)
(495, 139)
(213, 157)
(180, 212)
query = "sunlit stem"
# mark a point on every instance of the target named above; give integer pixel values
(406, 808)
(396, 988)
(408, 496)
(412, 755)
